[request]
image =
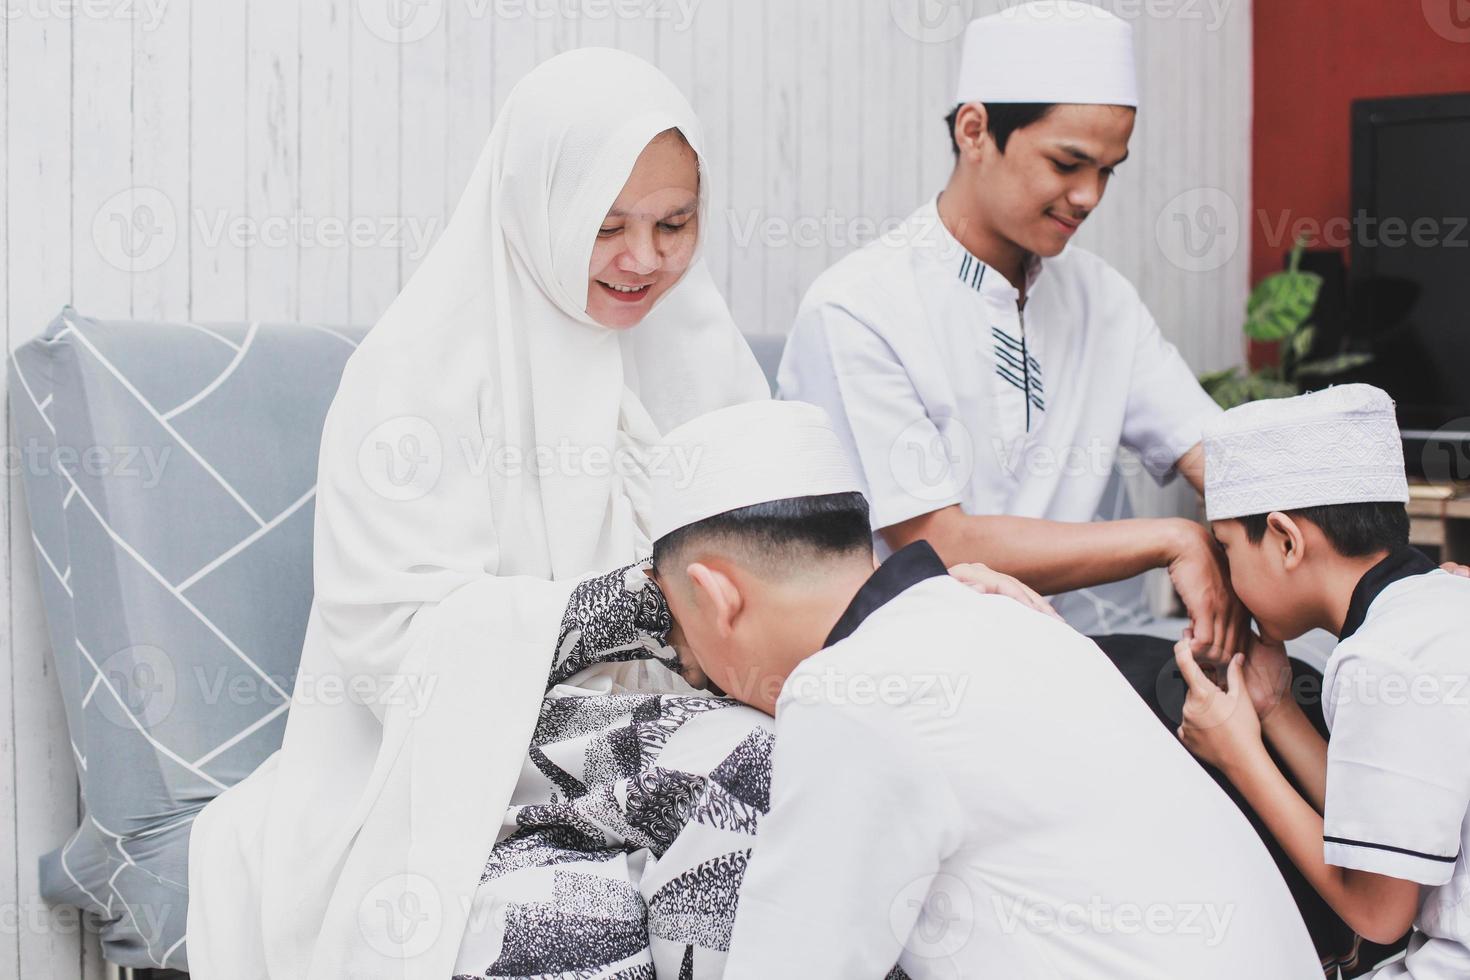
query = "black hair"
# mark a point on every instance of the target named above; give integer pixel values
(1002, 119)
(782, 534)
(1353, 530)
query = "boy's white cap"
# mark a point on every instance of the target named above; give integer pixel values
(1057, 51)
(746, 454)
(1336, 446)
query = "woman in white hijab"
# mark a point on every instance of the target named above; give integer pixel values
(481, 454)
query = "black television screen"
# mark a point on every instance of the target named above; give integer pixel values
(1411, 255)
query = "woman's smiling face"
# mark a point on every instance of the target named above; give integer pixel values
(647, 239)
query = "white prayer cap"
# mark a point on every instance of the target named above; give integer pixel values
(1054, 51)
(746, 454)
(1336, 446)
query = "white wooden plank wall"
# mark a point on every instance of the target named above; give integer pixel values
(205, 133)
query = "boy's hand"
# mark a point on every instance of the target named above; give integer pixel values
(1267, 675)
(1220, 727)
(1455, 568)
(987, 581)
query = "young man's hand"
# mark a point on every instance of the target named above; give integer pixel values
(1219, 726)
(1218, 623)
(1455, 568)
(987, 581)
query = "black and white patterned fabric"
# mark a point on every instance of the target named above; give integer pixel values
(619, 616)
(624, 848)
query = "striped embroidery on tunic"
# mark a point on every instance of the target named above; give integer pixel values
(1013, 362)
(1018, 367)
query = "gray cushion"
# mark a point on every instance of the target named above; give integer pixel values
(168, 472)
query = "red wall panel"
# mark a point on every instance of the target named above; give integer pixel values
(1312, 59)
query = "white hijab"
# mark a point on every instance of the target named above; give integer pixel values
(441, 572)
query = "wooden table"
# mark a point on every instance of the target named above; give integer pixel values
(1439, 521)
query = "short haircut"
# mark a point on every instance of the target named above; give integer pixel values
(1353, 530)
(1002, 119)
(781, 537)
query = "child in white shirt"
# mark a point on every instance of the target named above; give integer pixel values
(1307, 496)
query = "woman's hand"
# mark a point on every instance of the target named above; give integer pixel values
(987, 581)
(686, 664)
(676, 638)
(608, 617)
(689, 668)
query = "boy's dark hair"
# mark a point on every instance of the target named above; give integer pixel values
(781, 534)
(1354, 530)
(1002, 119)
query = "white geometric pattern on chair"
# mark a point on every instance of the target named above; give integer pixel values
(176, 585)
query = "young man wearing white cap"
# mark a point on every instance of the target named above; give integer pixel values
(983, 371)
(960, 784)
(1307, 495)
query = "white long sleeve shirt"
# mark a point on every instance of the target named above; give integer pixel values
(967, 788)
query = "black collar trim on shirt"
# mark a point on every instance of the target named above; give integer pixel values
(972, 270)
(932, 229)
(910, 565)
(1401, 563)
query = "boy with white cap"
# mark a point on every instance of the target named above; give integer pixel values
(960, 784)
(1307, 495)
(983, 372)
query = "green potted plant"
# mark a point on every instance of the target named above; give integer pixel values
(1279, 309)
